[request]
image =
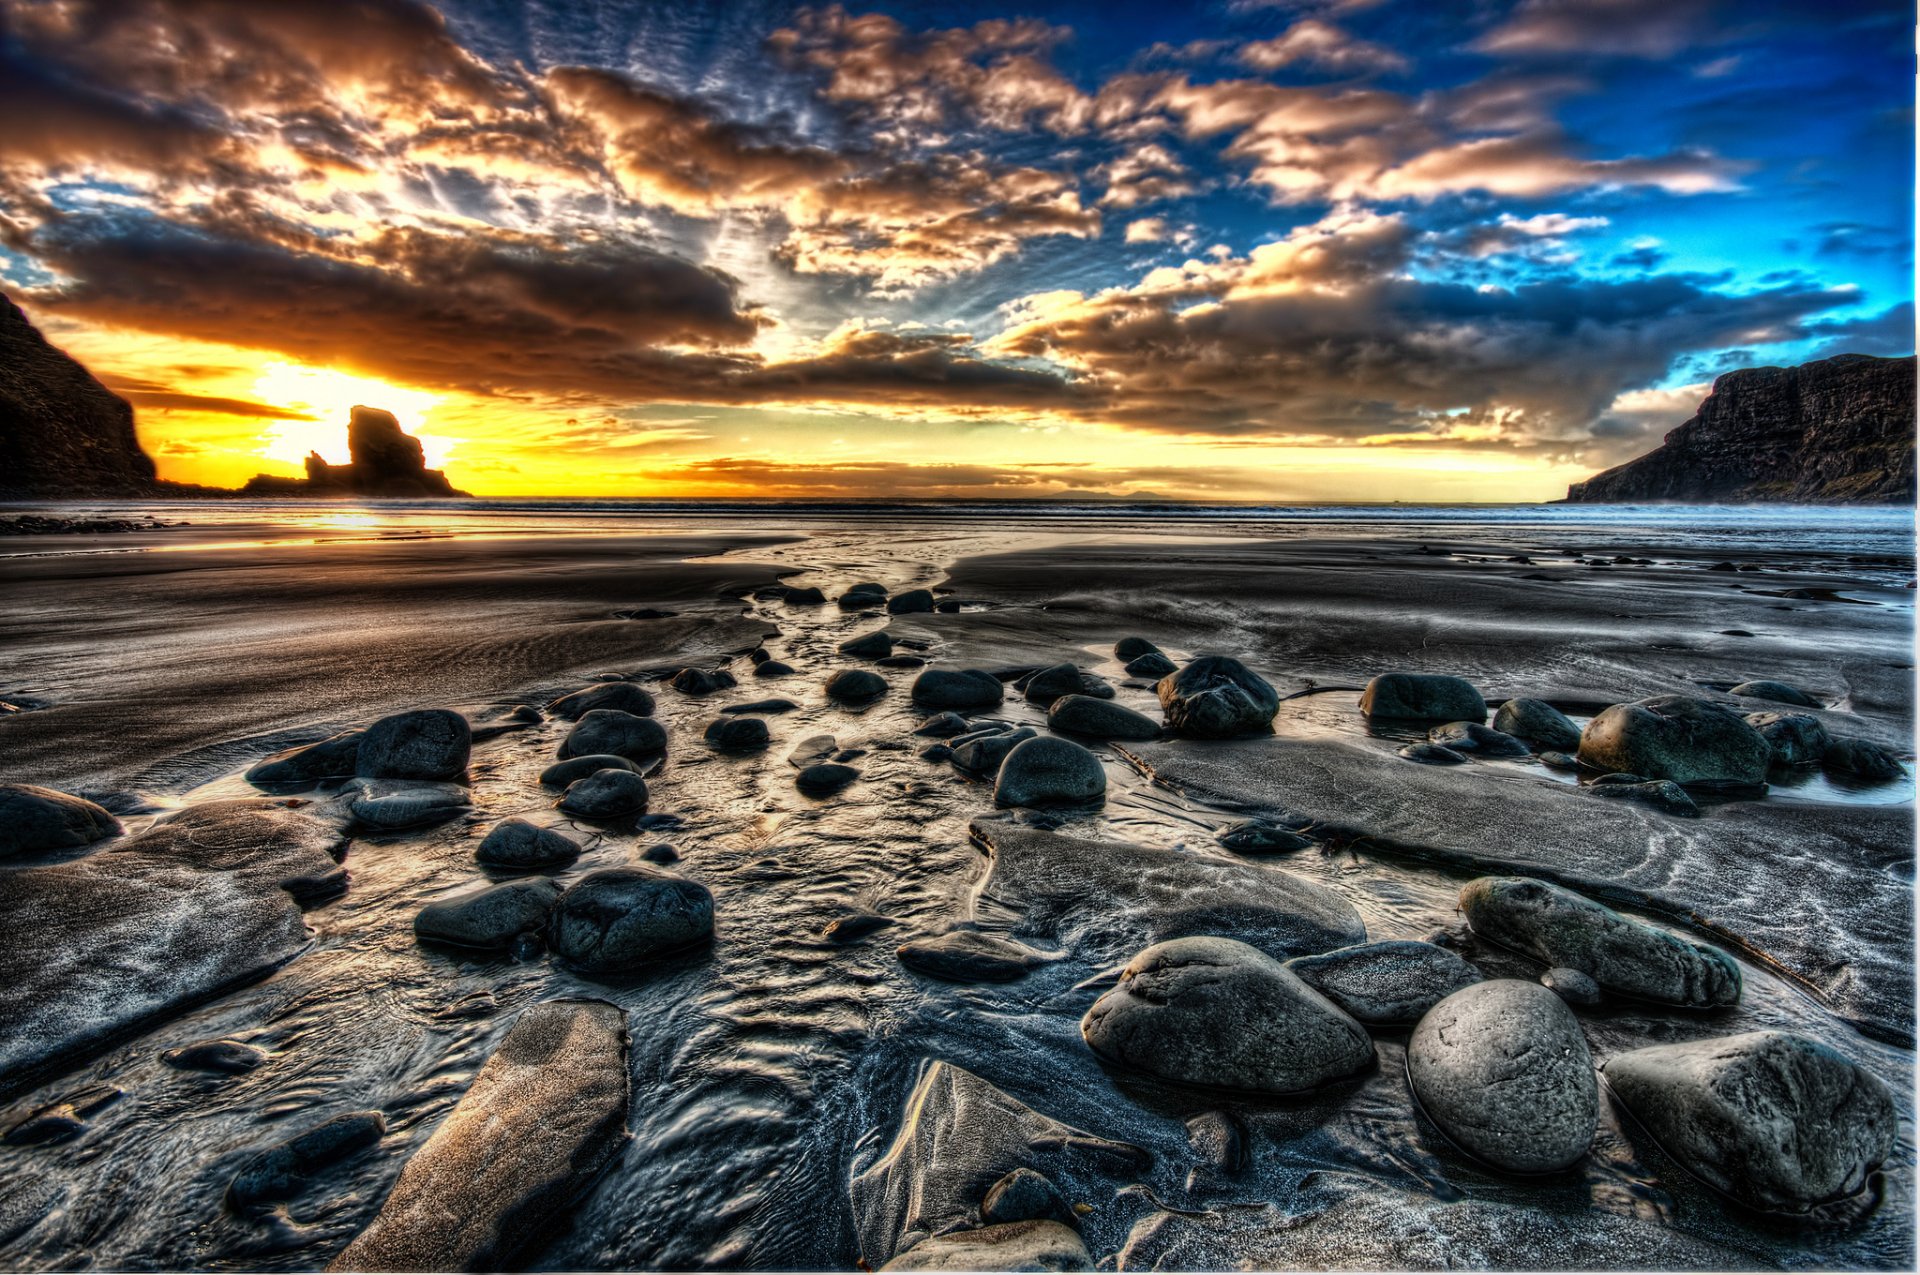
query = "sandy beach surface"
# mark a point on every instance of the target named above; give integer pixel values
(797, 1096)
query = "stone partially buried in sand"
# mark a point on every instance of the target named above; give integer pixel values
(1039, 1245)
(1049, 772)
(968, 956)
(521, 844)
(1796, 739)
(1778, 692)
(331, 758)
(1427, 697)
(431, 743)
(1627, 957)
(1217, 697)
(1100, 719)
(544, 1117)
(1676, 737)
(1777, 1121)
(393, 805)
(618, 918)
(35, 819)
(612, 730)
(1049, 684)
(606, 794)
(1389, 983)
(624, 696)
(856, 686)
(562, 773)
(738, 734)
(1503, 1069)
(957, 688)
(1539, 723)
(490, 916)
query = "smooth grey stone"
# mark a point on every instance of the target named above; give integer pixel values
(331, 758)
(958, 688)
(34, 819)
(546, 1114)
(1046, 771)
(1503, 1069)
(624, 696)
(1426, 697)
(661, 853)
(738, 734)
(1011, 1246)
(617, 918)
(609, 730)
(1389, 983)
(862, 596)
(912, 602)
(1049, 684)
(772, 668)
(1539, 723)
(808, 597)
(1571, 986)
(1254, 837)
(1777, 1121)
(1478, 739)
(1676, 737)
(968, 956)
(1661, 794)
(1219, 1140)
(856, 686)
(388, 805)
(1558, 927)
(518, 843)
(526, 715)
(1859, 759)
(1215, 1012)
(223, 1056)
(1559, 761)
(698, 681)
(812, 749)
(280, 1173)
(605, 794)
(1796, 739)
(760, 707)
(1429, 754)
(1151, 665)
(1100, 719)
(823, 779)
(560, 774)
(943, 726)
(490, 916)
(902, 661)
(432, 743)
(869, 646)
(1132, 648)
(1217, 697)
(1023, 1196)
(984, 752)
(1778, 692)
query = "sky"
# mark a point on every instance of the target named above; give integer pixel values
(1236, 250)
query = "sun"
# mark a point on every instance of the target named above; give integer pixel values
(330, 397)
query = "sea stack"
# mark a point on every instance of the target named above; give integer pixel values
(384, 461)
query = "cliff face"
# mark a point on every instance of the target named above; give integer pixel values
(62, 433)
(385, 461)
(1836, 432)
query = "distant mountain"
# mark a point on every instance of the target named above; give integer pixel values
(1836, 432)
(62, 433)
(384, 461)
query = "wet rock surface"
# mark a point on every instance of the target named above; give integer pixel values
(432, 743)
(35, 819)
(1049, 772)
(606, 794)
(490, 916)
(1539, 723)
(1393, 982)
(617, 918)
(1676, 737)
(612, 730)
(1217, 697)
(1099, 719)
(1423, 697)
(623, 696)
(521, 845)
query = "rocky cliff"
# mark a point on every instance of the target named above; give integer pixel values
(384, 461)
(1836, 432)
(62, 433)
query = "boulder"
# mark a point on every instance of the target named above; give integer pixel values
(1427, 697)
(1627, 957)
(279, 1173)
(1860, 759)
(1132, 648)
(390, 805)
(610, 730)
(912, 602)
(1040, 1245)
(1778, 692)
(618, 918)
(624, 696)
(1539, 723)
(1479, 739)
(1049, 684)
(1390, 983)
(863, 596)
(856, 686)
(1777, 1121)
(332, 758)
(1023, 1196)
(223, 1057)
(432, 743)
(699, 681)
(969, 956)
(35, 819)
(560, 774)
(606, 794)
(1795, 739)
(773, 668)
(1676, 737)
(1503, 1069)
(761, 707)
(1217, 697)
(983, 751)
(1046, 772)
(869, 646)
(520, 845)
(807, 597)
(1100, 719)
(738, 734)
(823, 779)
(957, 688)
(491, 916)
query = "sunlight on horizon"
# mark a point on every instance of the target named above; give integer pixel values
(331, 396)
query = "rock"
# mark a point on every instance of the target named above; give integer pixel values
(1428, 754)
(738, 734)
(856, 686)
(490, 916)
(609, 730)
(760, 708)
(1676, 737)
(624, 696)
(1049, 684)
(1151, 665)
(279, 1173)
(869, 646)
(983, 752)
(63, 1119)
(854, 926)
(943, 725)
(1661, 794)
(1013, 1246)
(1478, 739)
(224, 1057)
(758, 655)
(1502, 1068)
(1217, 697)
(947, 606)
(969, 956)
(1796, 739)
(1132, 648)
(332, 758)
(1778, 692)
(957, 688)
(1023, 1196)
(1571, 986)
(902, 661)
(1046, 772)
(1389, 983)
(912, 602)
(1560, 928)
(606, 794)
(35, 819)
(699, 681)
(1859, 759)
(203, 901)
(862, 596)
(1429, 697)
(560, 774)
(432, 743)
(391, 805)
(814, 748)
(1218, 1140)
(772, 668)
(1255, 837)
(1777, 1121)
(1559, 761)
(384, 461)
(546, 1114)
(807, 597)
(661, 853)
(618, 918)
(1212, 1011)
(62, 433)
(522, 846)
(823, 779)
(1100, 719)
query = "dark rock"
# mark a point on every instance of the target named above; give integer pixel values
(947, 606)
(1571, 986)
(902, 661)
(823, 779)
(392, 805)
(546, 1114)
(385, 461)
(618, 918)
(758, 655)
(1837, 431)
(1560, 928)
(1537, 722)
(983, 751)
(854, 926)
(1430, 754)
(1214, 1012)
(869, 646)
(1796, 739)
(280, 1173)
(862, 597)
(1859, 759)
(911, 602)
(489, 916)
(1217, 697)
(1503, 1069)
(521, 845)
(1219, 1140)
(1100, 719)
(609, 730)
(856, 686)
(1427, 697)
(332, 758)
(935, 753)
(1046, 771)
(943, 725)
(1132, 648)
(63, 1119)
(225, 1057)
(807, 597)
(957, 688)
(1023, 1196)
(968, 956)
(699, 681)
(1777, 1121)
(1390, 983)
(1559, 761)
(761, 707)
(1778, 692)
(1719, 566)
(606, 794)
(772, 668)
(35, 819)
(1662, 794)
(1676, 737)
(1254, 837)
(62, 433)
(563, 773)
(814, 748)
(625, 696)
(738, 734)
(1151, 665)
(1049, 684)
(432, 743)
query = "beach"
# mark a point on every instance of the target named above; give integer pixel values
(776, 1073)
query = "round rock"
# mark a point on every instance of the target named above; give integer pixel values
(1427, 697)
(869, 646)
(618, 918)
(610, 730)
(1100, 719)
(1045, 771)
(1049, 684)
(1390, 983)
(1539, 723)
(1152, 664)
(912, 602)
(521, 845)
(432, 743)
(856, 686)
(957, 688)
(1778, 692)
(624, 696)
(1861, 759)
(562, 773)
(489, 917)
(1571, 986)
(823, 779)
(1217, 697)
(1132, 648)
(1796, 739)
(1676, 737)
(34, 819)
(738, 734)
(1479, 739)
(606, 794)
(388, 805)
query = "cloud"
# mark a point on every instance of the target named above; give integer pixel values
(1530, 166)
(1147, 230)
(1322, 46)
(153, 394)
(1540, 234)
(1592, 28)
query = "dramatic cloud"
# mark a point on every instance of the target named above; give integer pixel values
(1321, 46)
(1588, 28)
